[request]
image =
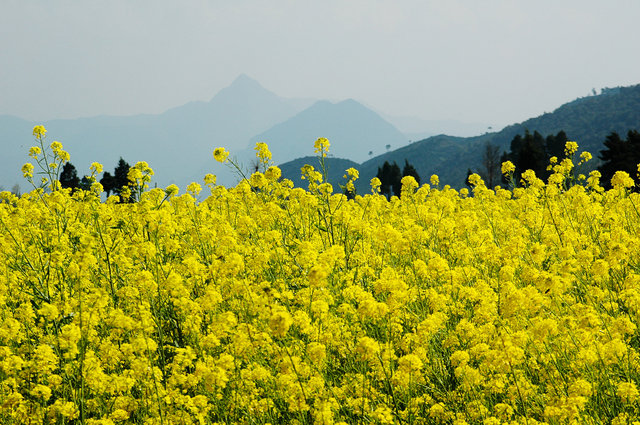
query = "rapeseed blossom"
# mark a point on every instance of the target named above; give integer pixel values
(39, 131)
(321, 146)
(264, 303)
(262, 153)
(27, 170)
(570, 148)
(509, 168)
(220, 154)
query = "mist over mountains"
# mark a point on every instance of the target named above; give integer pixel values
(175, 143)
(352, 129)
(178, 143)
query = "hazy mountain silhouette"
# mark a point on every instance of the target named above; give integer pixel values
(352, 129)
(179, 142)
(174, 143)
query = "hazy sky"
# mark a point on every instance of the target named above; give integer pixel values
(496, 62)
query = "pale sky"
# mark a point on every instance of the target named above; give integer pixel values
(491, 61)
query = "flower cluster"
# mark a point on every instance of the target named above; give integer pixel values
(266, 304)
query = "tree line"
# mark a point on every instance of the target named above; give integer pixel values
(111, 183)
(530, 151)
(533, 151)
(390, 177)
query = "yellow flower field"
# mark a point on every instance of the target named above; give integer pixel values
(268, 304)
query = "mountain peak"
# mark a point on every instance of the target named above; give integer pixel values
(350, 101)
(243, 87)
(244, 80)
(352, 128)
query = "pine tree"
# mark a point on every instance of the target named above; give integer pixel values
(532, 152)
(85, 183)
(395, 177)
(384, 175)
(69, 177)
(108, 183)
(620, 155)
(391, 176)
(554, 145)
(120, 178)
(409, 170)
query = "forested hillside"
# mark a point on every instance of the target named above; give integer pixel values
(587, 121)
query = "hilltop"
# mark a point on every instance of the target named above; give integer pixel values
(586, 120)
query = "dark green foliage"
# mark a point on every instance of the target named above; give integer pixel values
(85, 183)
(107, 181)
(69, 177)
(466, 181)
(555, 144)
(586, 121)
(116, 182)
(395, 177)
(384, 174)
(528, 153)
(533, 152)
(391, 177)
(620, 155)
(120, 178)
(410, 170)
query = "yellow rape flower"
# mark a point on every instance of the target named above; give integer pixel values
(27, 170)
(352, 174)
(39, 131)
(367, 348)
(171, 190)
(34, 151)
(270, 302)
(210, 180)
(375, 185)
(96, 168)
(262, 153)
(280, 322)
(570, 148)
(508, 168)
(220, 154)
(194, 188)
(273, 173)
(321, 146)
(621, 179)
(627, 391)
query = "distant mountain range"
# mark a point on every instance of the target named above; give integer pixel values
(178, 143)
(352, 129)
(175, 143)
